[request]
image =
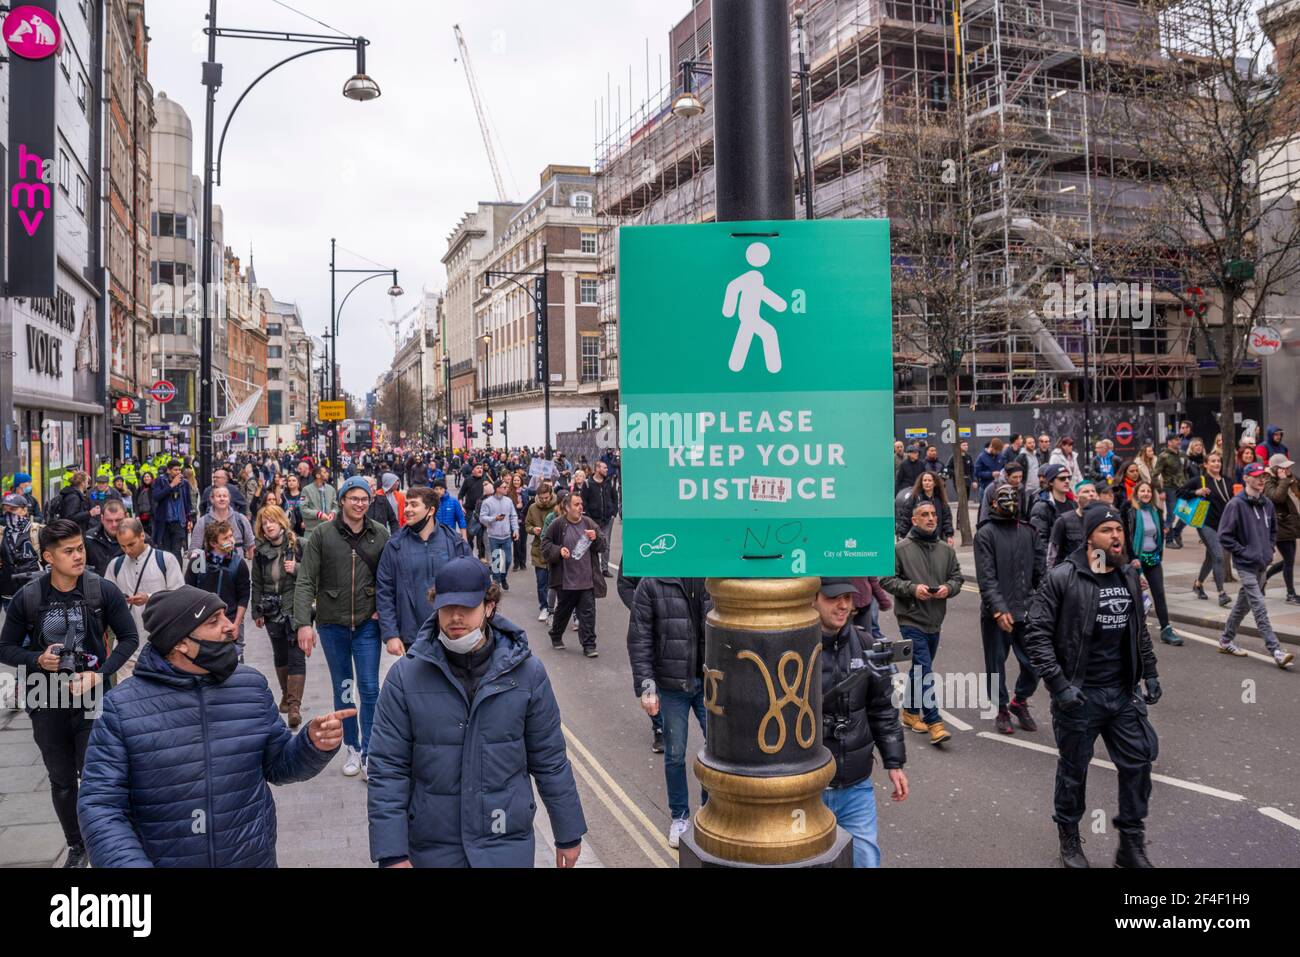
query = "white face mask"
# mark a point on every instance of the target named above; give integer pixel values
(461, 646)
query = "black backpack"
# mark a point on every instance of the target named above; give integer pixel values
(54, 508)
(158, 558)
(33, 597)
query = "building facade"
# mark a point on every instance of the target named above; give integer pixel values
(128, 142)
(468, 245)
(53, 374)
(555, 226)
(243, 379)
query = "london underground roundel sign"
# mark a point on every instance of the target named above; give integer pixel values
(162, 391)
(32, 32)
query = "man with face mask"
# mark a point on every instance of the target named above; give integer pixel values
(466, 717)
(178, 766)
(1088, 640)
(1008, 566)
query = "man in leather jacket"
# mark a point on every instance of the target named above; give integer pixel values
(1088, 640)
(856, 722)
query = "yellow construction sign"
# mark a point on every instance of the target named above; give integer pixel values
(332, 411)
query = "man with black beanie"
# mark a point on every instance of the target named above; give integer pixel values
(1088, 641)
(178, 766)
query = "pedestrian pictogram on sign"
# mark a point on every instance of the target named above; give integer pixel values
(162, 391)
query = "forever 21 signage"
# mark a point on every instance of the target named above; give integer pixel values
(32, 32)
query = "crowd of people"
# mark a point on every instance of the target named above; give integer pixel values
(145, 585)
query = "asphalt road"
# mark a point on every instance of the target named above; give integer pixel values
(1224, 794)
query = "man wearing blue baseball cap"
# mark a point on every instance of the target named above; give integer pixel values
(464, 718)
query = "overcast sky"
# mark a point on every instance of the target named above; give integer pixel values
(391, 178)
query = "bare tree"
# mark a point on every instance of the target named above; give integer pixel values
(399, 408)
(1211, 122)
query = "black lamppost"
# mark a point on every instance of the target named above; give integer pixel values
(394, 290)
(688, 104)
(542, 330)
(359, 87)
(487, 384)
(446, 378)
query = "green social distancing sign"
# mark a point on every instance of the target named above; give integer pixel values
(756, 417)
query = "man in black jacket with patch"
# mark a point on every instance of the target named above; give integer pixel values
(626, 585)
(1088, 640)
(665, 644)
(1008, 566)
(857, 722)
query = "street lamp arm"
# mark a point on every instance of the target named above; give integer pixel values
(511, 278)
(221, 146)
(338, 312)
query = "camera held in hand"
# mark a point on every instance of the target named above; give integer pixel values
(73, 661)
(271, 607)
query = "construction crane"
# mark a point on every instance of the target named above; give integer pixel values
(484, 126)
(394, 326)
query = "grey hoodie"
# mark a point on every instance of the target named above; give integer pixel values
(496, 505)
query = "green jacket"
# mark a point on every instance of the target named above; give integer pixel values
(339, 581)
(323, 499)
(918, 562)
(269, 576)
(1170, 472)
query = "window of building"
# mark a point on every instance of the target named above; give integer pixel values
(166, 273)
(65, 60)
(588, 242)
(274, 329)
(591, 358)
(165, 221)
(182, 223)
(275, 408)
(275, 352)
(81, 195)
(581, 202)
(273, 375)
(587, 292)
(65, 171)
(81, 91)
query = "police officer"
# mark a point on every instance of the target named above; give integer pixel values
(1087, 638)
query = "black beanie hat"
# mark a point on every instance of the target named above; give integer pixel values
(1095, 515)
(170, 616)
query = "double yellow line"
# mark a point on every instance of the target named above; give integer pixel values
(615, 799)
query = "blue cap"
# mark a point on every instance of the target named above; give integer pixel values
(355, 482)
(462, 581)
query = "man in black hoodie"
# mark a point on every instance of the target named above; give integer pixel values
(910, 469)
(1008, 566)
(1088, 640)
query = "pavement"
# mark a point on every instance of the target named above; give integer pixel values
(1223, 792)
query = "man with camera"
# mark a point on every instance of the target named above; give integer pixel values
(1088, 640)
(858, 714)
(55, 628)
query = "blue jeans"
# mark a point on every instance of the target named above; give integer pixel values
(924, 647)
(500, 554)
(855, 810)
(544, 593)
(675, 708)
(344, 646)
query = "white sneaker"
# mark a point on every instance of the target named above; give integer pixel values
(679, 827)
(542, 616)
(352, 764)
(575, 623)
(1283, 658)
(365, 768)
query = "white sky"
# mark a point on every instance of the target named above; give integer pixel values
(391, 178)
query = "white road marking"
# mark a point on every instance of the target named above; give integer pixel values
(1098, 762)
(1277, 815)
(614, 787)
(646, 847)
(953, 720)
(1214, 643)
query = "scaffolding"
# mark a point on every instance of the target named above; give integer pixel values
(1052, 183)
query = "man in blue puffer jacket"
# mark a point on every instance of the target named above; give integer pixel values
(177, 767)
(463, 720)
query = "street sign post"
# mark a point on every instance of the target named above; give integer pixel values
(332, 411)
(760, 448)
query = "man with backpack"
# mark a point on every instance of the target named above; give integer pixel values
(140, 571)
(55, 626)
(19, 544)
